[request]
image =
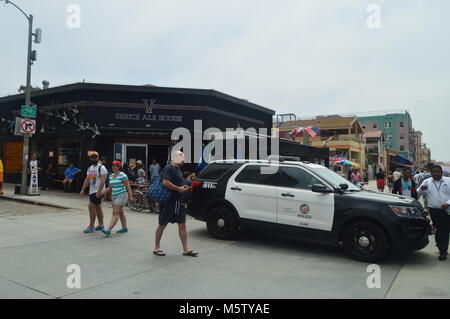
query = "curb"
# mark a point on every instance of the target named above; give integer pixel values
(32, 202)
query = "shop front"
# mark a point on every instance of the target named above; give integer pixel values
(126, 123)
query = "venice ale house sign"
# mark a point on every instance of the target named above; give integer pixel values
(148, 117)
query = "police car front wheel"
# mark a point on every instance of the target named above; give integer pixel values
(221, 223)
(365, 241)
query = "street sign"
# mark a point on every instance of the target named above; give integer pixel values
(28, 111)
(28, 126)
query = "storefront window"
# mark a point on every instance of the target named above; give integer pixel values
(36, 148)
(69, 152)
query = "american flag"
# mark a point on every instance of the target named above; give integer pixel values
(312, 131)
(296, 131)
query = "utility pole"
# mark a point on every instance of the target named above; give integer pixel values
(31, 56)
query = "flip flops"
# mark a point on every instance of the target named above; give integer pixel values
(159, 253)
(191, 254)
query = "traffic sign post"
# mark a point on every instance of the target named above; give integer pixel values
(28, 111)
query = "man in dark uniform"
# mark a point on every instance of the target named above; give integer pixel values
(174, 211)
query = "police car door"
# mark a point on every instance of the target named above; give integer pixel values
(298, 205)
(253, 192)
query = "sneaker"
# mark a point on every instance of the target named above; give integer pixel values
(98, 228)
(442, 256)
(106, 231)
(122, 231)
(89, 230)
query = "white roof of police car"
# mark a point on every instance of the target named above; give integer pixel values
(298, 163)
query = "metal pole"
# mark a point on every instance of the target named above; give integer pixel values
(26, 139)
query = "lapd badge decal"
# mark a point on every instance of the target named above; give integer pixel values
(304, 211)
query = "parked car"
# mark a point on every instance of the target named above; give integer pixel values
(307, 201)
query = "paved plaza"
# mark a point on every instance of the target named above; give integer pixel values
(38, 243)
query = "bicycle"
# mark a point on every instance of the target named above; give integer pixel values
(141, 201)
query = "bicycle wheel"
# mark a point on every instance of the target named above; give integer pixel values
(137, 204)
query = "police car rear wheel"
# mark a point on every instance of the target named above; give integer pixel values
(221, 223)
(365, 241)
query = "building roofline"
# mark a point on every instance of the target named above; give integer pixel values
(137, 88)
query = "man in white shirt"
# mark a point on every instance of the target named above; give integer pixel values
(96, 178)
(437, 192)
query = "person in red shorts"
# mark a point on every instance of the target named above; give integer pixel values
(381, 180)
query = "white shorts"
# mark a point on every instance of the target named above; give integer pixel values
(120, 200)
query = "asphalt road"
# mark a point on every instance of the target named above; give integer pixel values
(38, 243)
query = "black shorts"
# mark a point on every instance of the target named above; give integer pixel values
(172, 212)
(94, 199)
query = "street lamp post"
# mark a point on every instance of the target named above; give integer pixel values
(30, 58)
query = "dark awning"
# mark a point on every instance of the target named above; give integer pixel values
(401, 161)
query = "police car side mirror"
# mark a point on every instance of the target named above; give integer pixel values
(343, 186)
(319, 188)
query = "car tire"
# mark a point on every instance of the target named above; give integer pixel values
(366, 241)
(221, 223)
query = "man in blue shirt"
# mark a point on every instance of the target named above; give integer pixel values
(70, 175)
(174, 211)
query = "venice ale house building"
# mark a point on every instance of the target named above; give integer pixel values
(122, 122)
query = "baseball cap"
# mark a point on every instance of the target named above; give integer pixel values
(117, 163)
(139, 162)
(92, 153)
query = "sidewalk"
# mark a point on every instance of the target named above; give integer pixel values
(418, 275)
(52, 198)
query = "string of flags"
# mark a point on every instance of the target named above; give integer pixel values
(311, 130)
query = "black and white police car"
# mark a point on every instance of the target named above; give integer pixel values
(308, 201)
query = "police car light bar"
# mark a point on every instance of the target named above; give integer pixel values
(278, 158)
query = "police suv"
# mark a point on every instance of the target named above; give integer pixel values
(291, 198)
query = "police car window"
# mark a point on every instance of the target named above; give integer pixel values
(297, 178)
(253, 174)
(214, 171)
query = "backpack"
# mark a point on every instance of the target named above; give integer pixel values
(107, 175)
(158, 192)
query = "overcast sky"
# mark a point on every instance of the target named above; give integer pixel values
(307, 57)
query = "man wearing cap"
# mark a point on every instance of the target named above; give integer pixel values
(174, 211)
(96, 177)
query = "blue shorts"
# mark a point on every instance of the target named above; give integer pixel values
(173, 212)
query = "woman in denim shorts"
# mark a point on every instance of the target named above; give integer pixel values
(119, 185)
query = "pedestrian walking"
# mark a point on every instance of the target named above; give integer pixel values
(174, 211)
(95, 179)
(437, 191)
(381, 180)
(120, 189)
(406, 186)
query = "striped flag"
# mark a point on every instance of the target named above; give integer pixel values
(296, 131)
(312, 131)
